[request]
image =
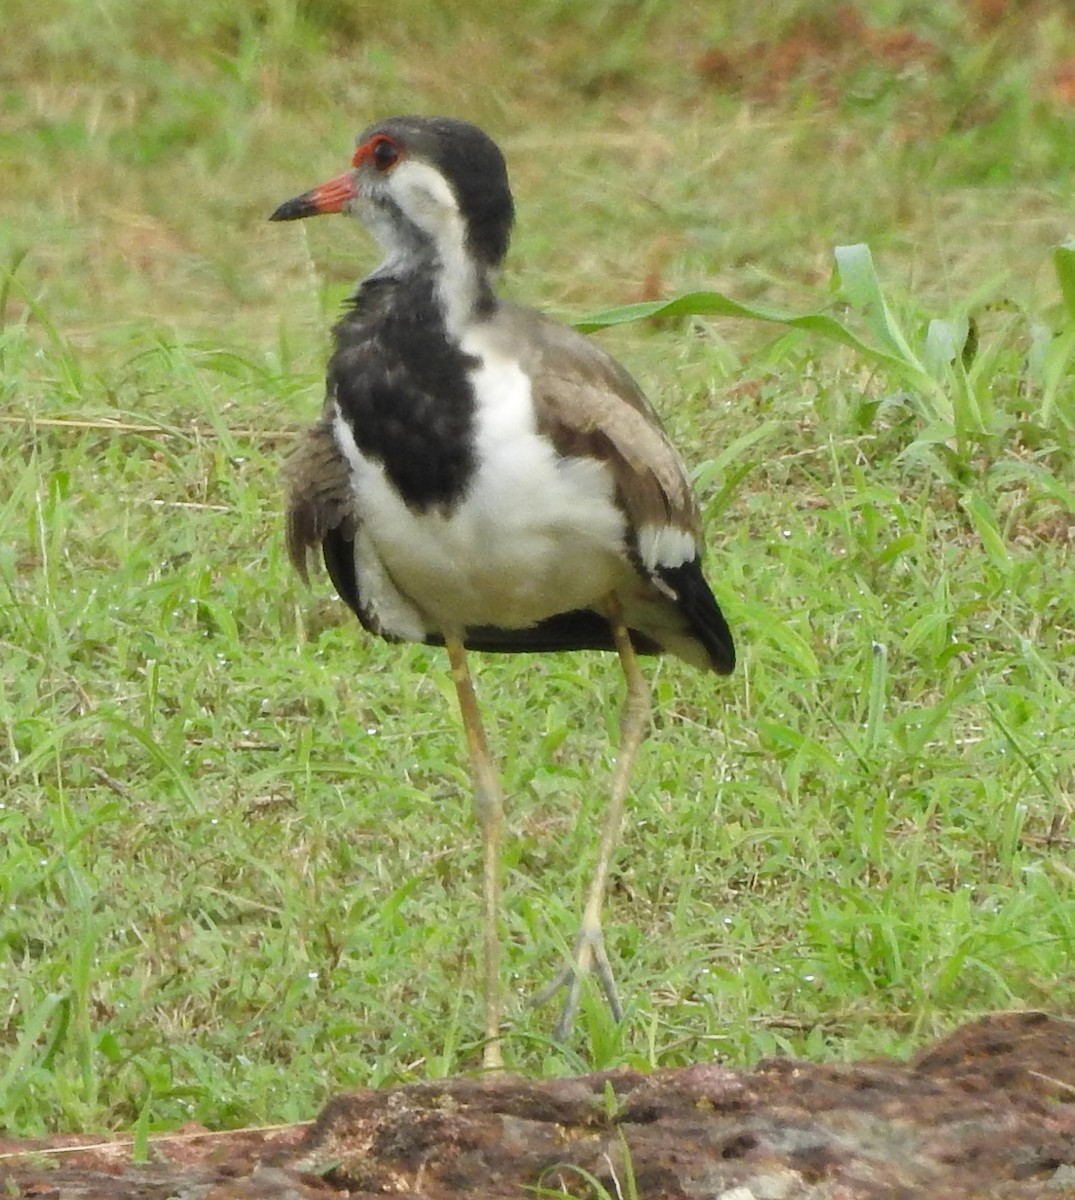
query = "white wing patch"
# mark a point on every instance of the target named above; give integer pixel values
(666, 546)
(390, 610)
(395, 615)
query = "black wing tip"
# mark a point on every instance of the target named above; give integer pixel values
(723, 655)
(710, 631)
(338, 554)
(705, 620)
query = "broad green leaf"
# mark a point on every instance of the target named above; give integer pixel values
(1058, 358)
(862, 288)
(860, 284)
(716, 304)
(1064, 264)
(985, 525)
(944, 345)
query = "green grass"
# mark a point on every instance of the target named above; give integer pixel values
(238, 869)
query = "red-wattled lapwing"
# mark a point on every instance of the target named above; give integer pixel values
(484, 478)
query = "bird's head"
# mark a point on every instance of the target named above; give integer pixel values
(426, 187)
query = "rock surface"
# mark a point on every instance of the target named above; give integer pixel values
(987, 1113)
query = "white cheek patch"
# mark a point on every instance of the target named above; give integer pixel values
(423, 194)
(425, 199)
(665, 546)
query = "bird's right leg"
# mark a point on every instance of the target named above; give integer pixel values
(590, 954)
(489, 809)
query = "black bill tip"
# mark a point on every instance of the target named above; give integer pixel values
(297, 208)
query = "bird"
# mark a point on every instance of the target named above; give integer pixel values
(486, 478)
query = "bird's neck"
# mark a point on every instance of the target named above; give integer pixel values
(461, 286)
(463, 291)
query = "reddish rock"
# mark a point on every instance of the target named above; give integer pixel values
(988, 1112)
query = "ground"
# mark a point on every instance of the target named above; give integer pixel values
(987, 1112)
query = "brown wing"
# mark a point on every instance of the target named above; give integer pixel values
(588, 405)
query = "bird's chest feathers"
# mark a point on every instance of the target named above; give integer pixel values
(526, 529)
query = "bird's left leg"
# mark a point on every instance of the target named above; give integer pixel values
(589, 953)
(489, 809)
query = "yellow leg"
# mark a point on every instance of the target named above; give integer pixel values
(489, 809)
(590, 954)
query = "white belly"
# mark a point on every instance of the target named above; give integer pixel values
(534, 535)
(507, 555)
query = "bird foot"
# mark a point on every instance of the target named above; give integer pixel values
(589, 956)
(492, 1058)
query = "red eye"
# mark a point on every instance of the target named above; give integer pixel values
(384, 152)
